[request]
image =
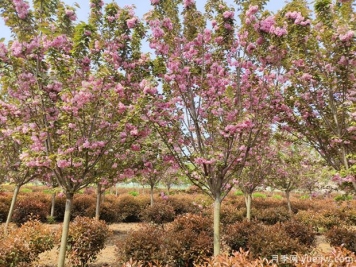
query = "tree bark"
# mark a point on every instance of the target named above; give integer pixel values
(12, 208)
(151, 196)
(217, 208)
(248, 201)
(53, 203)
(98, 201)
(288, 202)
(65, 229)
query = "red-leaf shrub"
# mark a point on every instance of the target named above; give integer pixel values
(310, 218)
(107, 210)
(237, 235)
(182, 204)
(237, 259)
(59, 208)
(128, 208)
(5, 201)
(83, 206)
(31, 206)
(159, 213)
(272, 215)
(189, 240)
(299, 231)
(23, 245)
(342, 236)
(145, 245)
(86, 238)
(230, 214)
(273, 240)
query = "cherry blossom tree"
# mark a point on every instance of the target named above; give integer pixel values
(155, 162)
(75, 86)
(210, 103)
(118, 164)
(294, 166)
(256, 173)
(172, 176)
(318, 61)
(12, 168)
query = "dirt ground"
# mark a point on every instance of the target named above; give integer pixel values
(107, 257)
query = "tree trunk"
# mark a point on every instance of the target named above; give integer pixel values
(12, 208)
(53, 203)
(65, 229)
(98, 201)
(288, 202)
(248, 201)
(217, 208)
(151, 195)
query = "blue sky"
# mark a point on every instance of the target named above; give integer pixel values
(142, 6)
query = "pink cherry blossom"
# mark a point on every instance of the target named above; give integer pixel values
(22, 8)
(131, 23)
(267, 24)
(16, 48)
(71, 14)
(347, 36)
(188, 3)
(228, 14)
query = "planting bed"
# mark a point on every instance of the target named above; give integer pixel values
(105, 258)
(178, 231)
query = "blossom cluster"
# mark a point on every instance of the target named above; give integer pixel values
(297, 18)
(22, 8)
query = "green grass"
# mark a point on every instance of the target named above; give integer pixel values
(133, 193)
(303, 197)
(25, 190)
(239, 193)
(258, 195)
(278, 197)
(343, 198)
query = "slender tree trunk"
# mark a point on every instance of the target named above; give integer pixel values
(151, 195)
(98, 201)
(65, 229)
(248, 201)
(53, 203)
(12, 208)
(346, 164)
(288, 202)
(217, 208)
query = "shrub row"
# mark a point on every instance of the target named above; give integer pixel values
(189, 239)
(128, 208)
(242, 258)
(125, 208)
